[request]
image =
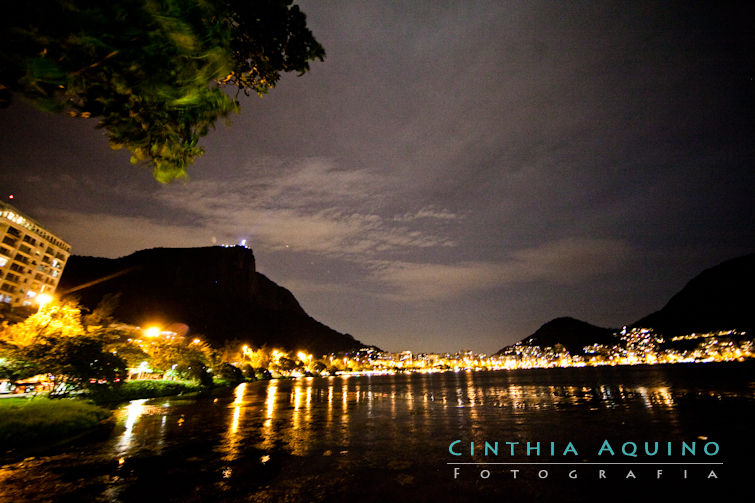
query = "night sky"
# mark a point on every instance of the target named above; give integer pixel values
(455, 174)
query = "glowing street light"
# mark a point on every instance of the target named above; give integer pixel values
(152, 332)
(43, 299)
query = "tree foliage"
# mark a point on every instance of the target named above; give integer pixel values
(150, 71)
(230, 373)
(75, 362)
(55, 342)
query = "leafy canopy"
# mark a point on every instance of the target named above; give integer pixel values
(54, 341)
(152, 72)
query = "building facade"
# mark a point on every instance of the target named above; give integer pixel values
(31, 258)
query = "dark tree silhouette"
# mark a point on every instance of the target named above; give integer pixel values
(150, 72)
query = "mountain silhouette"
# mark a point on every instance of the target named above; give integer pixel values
(215, 291)
(571, 333)
(719, 298)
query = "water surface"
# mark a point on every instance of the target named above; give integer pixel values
(384, 438)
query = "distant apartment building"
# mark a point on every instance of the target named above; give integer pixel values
(31, 258)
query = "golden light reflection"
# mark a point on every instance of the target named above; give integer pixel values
(330, 396)
(233, 439)
(133, 411)
(239, 393)
(297, 396)
(345, 397)
(369, 402)
(302, 435)
(239, 399)
(267, 425)
(393, 398)
(645, 397)
(345, 423)
(471, 392)
(272, 390)
(665, 397)
(308, 401)
(573, 395)
(297, 399)
(444, 395)
(605, 395)
(235, 421)
(516, 393)
(161, 440)
(426, 404)
(472, 396)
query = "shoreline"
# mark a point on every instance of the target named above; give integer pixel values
(79, 427)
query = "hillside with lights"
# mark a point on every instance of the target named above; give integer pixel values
(711, 315)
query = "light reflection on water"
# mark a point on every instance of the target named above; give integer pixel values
(299, 414)
(322, 430)
(233, 438)
(267, 426)
(129, 440)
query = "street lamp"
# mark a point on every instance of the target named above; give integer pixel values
(152, 332)
(43, 299)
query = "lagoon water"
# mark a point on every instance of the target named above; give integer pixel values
(386, 438)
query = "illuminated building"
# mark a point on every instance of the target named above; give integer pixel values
(31, 257)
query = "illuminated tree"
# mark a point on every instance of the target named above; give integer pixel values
(56, 318)
(150, 72)
(230, 352)
(55, 342)
(74, 363)
(260, 358)
(176, 355)
(318, 367)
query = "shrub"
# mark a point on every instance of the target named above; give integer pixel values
(133, 390)
(230, 373)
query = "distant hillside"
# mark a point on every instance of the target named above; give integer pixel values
(719, 298)
(216, 291)
(571, 333)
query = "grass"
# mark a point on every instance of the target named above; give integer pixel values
(26, 422)
(132, 390)
(30, 423)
